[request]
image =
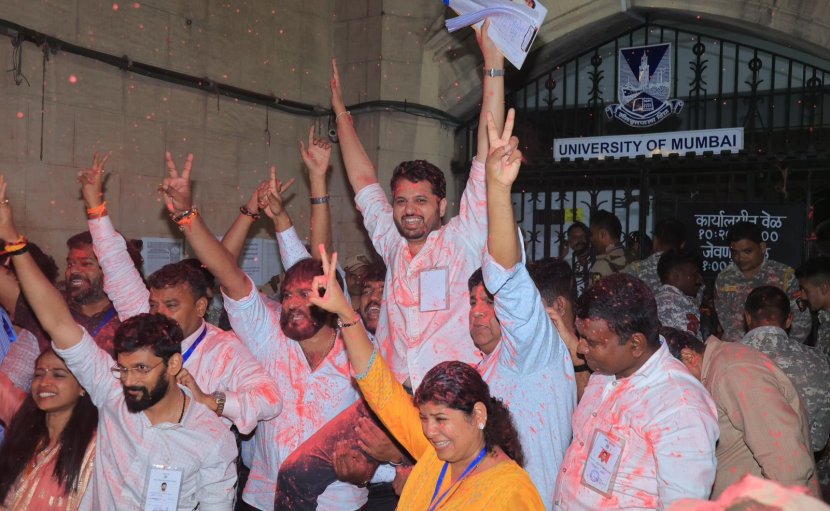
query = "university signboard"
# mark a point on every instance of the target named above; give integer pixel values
(648, 144)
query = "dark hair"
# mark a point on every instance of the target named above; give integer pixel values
(607, 221)
(578, 225)
(768, 303)
(816, 270)
(375, 271)
(677, 339)
(160, 334)
(82, 239)
(420, 170)
(672, 259)
(476, 279)
(553, 278)
(26, 432)
(671, 232)
(305, 270)
(176, 274)
(744, 231)
(196, 264)
(44, 262)
(459, 386)
(626, 303)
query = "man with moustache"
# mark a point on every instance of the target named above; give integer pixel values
(297, 344)
(578, 253)
(371, 295)
(149, 428)
(218, 369)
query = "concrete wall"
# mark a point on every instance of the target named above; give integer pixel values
(281, 48)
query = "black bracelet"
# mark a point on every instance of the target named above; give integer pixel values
(245, 211)
(581, 368)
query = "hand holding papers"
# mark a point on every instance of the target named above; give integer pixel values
(513, 24)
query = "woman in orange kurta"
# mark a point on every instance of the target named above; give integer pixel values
(47, 454)
(467, 449)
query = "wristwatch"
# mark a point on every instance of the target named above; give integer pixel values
(492, 73)
(219, 397)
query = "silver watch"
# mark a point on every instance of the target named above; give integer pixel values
(492, 73)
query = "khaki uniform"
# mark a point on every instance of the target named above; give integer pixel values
(612, 261)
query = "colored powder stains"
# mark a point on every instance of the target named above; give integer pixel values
(73, 79)
(114, 7)
(20, 115)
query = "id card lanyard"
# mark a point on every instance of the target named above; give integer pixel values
(433, 504)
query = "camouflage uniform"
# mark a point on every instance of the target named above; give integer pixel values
(612, 261)
(646, 270)
(677, 310)
(732, 288)
(823, 334)
(806, 368)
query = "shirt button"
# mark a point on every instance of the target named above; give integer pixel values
(564, 470)
(594, 414)
(581, 444)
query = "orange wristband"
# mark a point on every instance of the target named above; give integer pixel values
(98, 211)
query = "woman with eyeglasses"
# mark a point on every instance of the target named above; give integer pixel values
(47, 453)
(467, 449)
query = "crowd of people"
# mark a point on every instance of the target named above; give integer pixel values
(445, 371)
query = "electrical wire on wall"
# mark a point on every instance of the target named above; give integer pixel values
(20, 34)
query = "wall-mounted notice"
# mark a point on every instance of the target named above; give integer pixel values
(707, 226)
(158, 252)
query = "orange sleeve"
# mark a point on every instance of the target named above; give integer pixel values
(393, 406)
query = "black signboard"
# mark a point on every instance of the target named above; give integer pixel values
(707, 227)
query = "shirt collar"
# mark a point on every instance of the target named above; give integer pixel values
(190, 339)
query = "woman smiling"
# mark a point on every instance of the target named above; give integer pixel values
(467, 449)
(46, 456)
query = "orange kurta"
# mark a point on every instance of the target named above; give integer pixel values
(505, 486)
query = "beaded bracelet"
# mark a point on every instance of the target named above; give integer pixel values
(344, 112)
(247, 212)
(185, 218)
(98, 211)
(324, 199)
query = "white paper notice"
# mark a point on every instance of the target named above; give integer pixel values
(158, 252)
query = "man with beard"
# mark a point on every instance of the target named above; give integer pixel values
(295, 342)
(424, 319)
(750, 269)
(371, 295)
(578, 253)
(218, 369)
(149, 428)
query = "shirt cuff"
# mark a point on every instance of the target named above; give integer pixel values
(383, 474)
(231, 409)
(495, 275)
(364, 374)
(100, 227)
(477, 170)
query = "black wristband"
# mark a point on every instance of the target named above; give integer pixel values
(581, 368)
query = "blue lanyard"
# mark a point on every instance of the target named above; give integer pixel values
(193, 346)
(106, 319)
(433, 504)
(7, 326)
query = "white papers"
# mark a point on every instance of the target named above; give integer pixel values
(158, 252)
(513, 24)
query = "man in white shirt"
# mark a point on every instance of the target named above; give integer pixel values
(296, 343)
(645, 429)
(218, 369)
(149, 428)
(526, 363)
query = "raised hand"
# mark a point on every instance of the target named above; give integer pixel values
(337, 104)
(270, 196)
(493, 58)
(504, 158)
(8, 232)
(92, 181)
(316, 156)
(329, 296)
(176, 187)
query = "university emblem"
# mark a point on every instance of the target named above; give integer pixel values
(644, 86)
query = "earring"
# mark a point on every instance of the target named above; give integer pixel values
(480, 426)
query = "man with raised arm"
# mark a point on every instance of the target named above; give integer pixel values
(529, 366)
(424, 318)
(296, 342)
(150, 430)
(218, 369)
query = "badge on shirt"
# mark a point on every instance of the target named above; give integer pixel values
(603, 462)
(163, 487)
(434, 289)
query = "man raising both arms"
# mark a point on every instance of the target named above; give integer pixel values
(149, 428)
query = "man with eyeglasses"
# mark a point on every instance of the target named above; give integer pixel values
(150, 430)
